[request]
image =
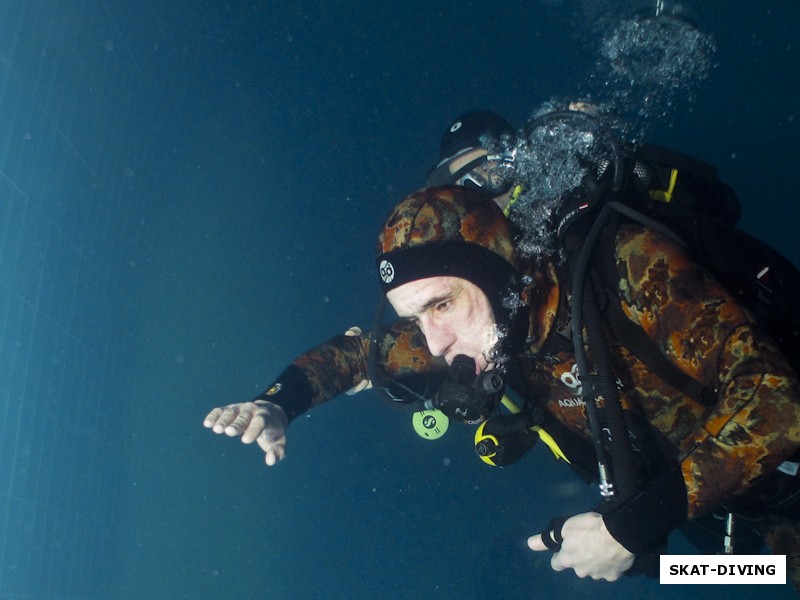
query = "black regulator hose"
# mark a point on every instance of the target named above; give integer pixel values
(624, 482)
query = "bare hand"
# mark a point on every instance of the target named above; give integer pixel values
(588, 549)
(260, 421)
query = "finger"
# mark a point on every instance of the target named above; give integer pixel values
(212, 417)
(274, 456)
(535, 543)
(364, 384)
(254, 429)
(239, 424)
(552, 537)
(224, 417)
(273, 443)
(556, 564)
(275, 453)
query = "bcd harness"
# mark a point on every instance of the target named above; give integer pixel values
(684, 199)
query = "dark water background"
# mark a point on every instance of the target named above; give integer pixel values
(189, 196)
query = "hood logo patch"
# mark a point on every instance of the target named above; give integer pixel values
(386, 270)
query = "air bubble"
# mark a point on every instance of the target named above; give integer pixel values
(645, 65)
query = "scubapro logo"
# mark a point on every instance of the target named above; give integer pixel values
(572, 381)
(455, 126)
(386, 270)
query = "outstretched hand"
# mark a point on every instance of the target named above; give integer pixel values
(260, 421)
(588, 549)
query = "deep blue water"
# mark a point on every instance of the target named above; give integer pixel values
(189, 197)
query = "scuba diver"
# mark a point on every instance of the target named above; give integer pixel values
(478, 149)
(485, 317)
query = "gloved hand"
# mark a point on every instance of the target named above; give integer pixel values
(587, 548)
(260, 421)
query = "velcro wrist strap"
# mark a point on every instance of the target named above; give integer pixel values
(291, 391)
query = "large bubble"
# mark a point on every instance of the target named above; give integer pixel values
(646, 64)
(563, 149)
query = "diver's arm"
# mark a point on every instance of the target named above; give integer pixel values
(320, 374)
(750, 429)
(317, 376)
(340, 364)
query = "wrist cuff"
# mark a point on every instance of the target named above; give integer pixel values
(646, 519)
(291, 391)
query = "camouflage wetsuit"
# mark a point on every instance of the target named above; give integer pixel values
(730, 450)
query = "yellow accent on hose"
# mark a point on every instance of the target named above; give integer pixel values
(543, 435)
(666, 195)
(514, 197)
(479, 435)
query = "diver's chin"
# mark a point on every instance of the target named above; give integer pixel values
(487, 360)
(483, 363)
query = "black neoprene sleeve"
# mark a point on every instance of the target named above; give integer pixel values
(291, 391)
(651, 514)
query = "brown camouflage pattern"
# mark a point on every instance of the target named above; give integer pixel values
(334, 366)
(724, 450)
(341, 363)
(448, 213)
(755, 424)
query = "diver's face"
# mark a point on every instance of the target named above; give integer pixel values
(453, 314)
(478, 176)
(466, 158)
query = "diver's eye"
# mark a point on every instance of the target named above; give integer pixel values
(443, 306)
